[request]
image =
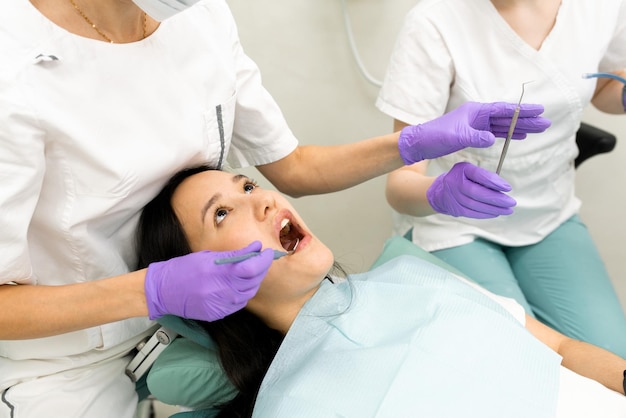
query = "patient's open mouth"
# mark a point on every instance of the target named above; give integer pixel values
(290, 235)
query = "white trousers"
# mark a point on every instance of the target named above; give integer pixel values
(100, 390)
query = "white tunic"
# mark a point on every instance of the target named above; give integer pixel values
(453, 51)
(90, 132)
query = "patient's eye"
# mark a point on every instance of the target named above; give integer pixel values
(220, 214)
(250, 185)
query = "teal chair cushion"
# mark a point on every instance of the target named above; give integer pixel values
(188, 371)
(397, 246)
(189, 374)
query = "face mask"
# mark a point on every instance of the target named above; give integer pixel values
(162, 9)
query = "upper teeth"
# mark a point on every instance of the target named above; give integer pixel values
(284, 223)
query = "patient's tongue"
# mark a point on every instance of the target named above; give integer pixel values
(290, 244)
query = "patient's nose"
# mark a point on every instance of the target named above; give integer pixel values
(264, 205)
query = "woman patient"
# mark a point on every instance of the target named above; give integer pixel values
(405, 339)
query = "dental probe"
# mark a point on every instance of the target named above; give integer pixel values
(277, 254)
(238, 258)
(511, 129)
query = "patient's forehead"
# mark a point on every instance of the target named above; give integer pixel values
(204, 183)
(194, 191)
(210, 178)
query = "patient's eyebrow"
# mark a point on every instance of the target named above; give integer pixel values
(235, 179)
(208, 205)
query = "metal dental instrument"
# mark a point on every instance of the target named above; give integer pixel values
(238, 258)
(511, 129)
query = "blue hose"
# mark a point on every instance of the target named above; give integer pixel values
(605, 75)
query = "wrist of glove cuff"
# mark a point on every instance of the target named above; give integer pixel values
(156, 307)
(624, 97)
(431, 195)
(409, 144)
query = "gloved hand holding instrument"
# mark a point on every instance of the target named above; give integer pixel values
(198, 286)
(468, 190)
(470, 125)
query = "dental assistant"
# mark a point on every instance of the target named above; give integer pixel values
(542, 255)
(99, 105)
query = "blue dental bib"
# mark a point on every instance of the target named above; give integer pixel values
(408, 339)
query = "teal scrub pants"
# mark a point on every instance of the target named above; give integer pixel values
(560, 280)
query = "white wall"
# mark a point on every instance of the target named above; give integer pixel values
(303, 53)
(600, 184)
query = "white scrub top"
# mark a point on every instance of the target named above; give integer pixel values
(90, 132)
(453, 51)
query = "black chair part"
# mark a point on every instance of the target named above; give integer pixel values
(592, 141)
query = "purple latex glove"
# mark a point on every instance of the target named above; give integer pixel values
(470, 191)
(193, 286)
(470, 125)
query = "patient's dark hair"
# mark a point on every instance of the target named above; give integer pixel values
(246, 346)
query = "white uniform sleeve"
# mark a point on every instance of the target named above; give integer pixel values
(22, 165)
(260, 133)
(417, 82)
(615, 57)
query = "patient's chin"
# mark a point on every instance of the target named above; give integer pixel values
(325, 260)
(312, 258)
